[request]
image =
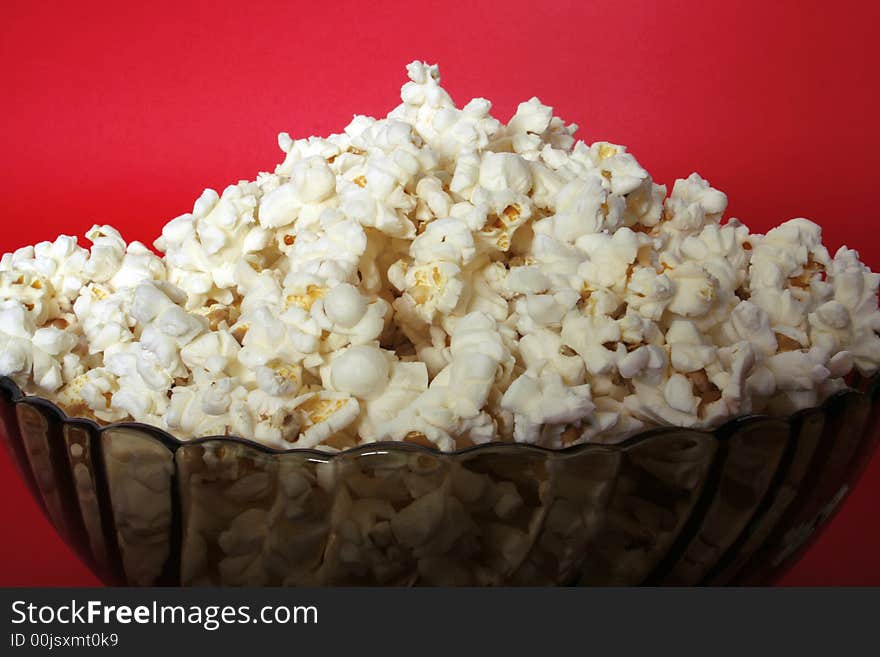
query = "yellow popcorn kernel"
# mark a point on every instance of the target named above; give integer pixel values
(500, 227)
(99, 292)
(305, 301)
(811, 268)
(508, 216)
(510, 213)
(493, 223)
(428, 281)
(315, 409)
(420, 294)
(239, 332)
(606, 151)
(217, 314)
(360, 181)
(707, 292)
(290, 373)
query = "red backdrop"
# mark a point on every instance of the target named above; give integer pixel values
(122, 113)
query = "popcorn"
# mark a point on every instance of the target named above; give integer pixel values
(432, 288)
(441, 278)
(692, 204)
(16, 348)
(406, 381)
(855, 292)
(544, 348)
(360, 371)
(203, 409)
(332, 250)
(323, 414)
(34, 293)
(91, 394)
(608, 257)
(202, 248)
(138, 264)
(444, 240)
(212, 354)
(344, 305)
(62, 262)
(107, 252)
(539, 402)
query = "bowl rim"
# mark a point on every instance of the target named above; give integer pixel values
(18, 396)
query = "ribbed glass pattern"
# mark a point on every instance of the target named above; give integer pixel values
(737, 505)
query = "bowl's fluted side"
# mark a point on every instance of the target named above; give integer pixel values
(669, 506)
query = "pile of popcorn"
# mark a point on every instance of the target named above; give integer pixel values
(442, 278)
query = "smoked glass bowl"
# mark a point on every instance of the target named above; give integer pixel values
(737, 505)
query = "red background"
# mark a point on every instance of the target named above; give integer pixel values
(122, 113)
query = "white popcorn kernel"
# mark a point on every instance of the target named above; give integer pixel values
(108, 249)
(434, 288)
(502, 172)
(406, 382)
(279, 379)
(15, 358)
(531, 116)
(695, 290)
(693, 203)
(466, 175)
(579, 211)
(215, 353)
(430, 189)
(751, 323)
(527, 280)
(855, 287)
(54, 341)
(595, 339)
(678, 393)
(536, 401)
(313, 180)
(795, 370)
(344, 305)
(446, 240)
(279, 207)
(360, 371)
(608, 258)
(545, 348)
(138, 264)
(649, 293)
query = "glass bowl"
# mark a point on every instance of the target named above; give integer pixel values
(669, 506)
